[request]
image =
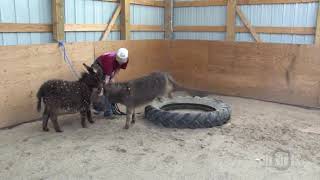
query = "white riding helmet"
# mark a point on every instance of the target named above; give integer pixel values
(122, 55)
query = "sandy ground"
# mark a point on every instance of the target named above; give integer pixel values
(262, 141)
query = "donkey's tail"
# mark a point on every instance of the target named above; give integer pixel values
(192, 92)
(39, 96)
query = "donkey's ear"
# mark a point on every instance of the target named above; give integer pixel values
(128, 90)
(86, 66)
(89, 69)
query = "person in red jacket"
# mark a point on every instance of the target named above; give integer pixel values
(108, 66)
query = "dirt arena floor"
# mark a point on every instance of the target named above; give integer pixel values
(263, 140)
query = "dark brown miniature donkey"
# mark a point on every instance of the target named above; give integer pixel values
(68, 97)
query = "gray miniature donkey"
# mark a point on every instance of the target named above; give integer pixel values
(68, 97)
(143, 90)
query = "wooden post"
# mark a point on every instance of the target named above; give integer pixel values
(58, 19)
(125, 20)
(111, 23)
(168, 12)
(231, 20)
(317, 38)
(247, 24)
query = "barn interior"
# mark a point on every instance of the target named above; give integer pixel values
(260, 57)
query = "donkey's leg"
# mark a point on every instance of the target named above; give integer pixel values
(83, 118)
(45, 118)
(129, 115)
(89, 116)
(83, 115)
(54, 119)
(160, 99)
(133, 116)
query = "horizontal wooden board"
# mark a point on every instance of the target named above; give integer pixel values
(144, 28)
(281, 30)
(88, 27)
(199, 28)
(102, 27)
(239, 2)
(271, 30)
(200, 3)
(157, 3)
(12, 27)
(272, 72)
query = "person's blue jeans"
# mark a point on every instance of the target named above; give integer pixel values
(107, 109)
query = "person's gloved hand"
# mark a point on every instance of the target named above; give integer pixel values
(100, 92)
(107, 79)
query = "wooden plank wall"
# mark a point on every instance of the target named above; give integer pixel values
(25, 68)
(273, 72)
(144, 56)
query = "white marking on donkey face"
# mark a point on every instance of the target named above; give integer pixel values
(101, 92)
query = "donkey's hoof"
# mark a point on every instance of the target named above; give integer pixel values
(126, 126)
(133, 122)
(59, 131)
(45, 129)
(91, 122)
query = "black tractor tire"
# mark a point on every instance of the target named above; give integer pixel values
(214, 112)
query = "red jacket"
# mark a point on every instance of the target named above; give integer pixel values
(110, 64)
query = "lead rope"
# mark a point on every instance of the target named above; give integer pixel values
(62, 48)
(67, 60)
(116, 110)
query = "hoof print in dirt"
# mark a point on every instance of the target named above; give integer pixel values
(188, 112)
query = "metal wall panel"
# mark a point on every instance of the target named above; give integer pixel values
(89, 12)
(94, 11)
(146, 15)
(25, 11)
(98, 12)
(283, 15)
(76, 12)
(280, 15)
(200, 35)
(147, 35)
(200, 16)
